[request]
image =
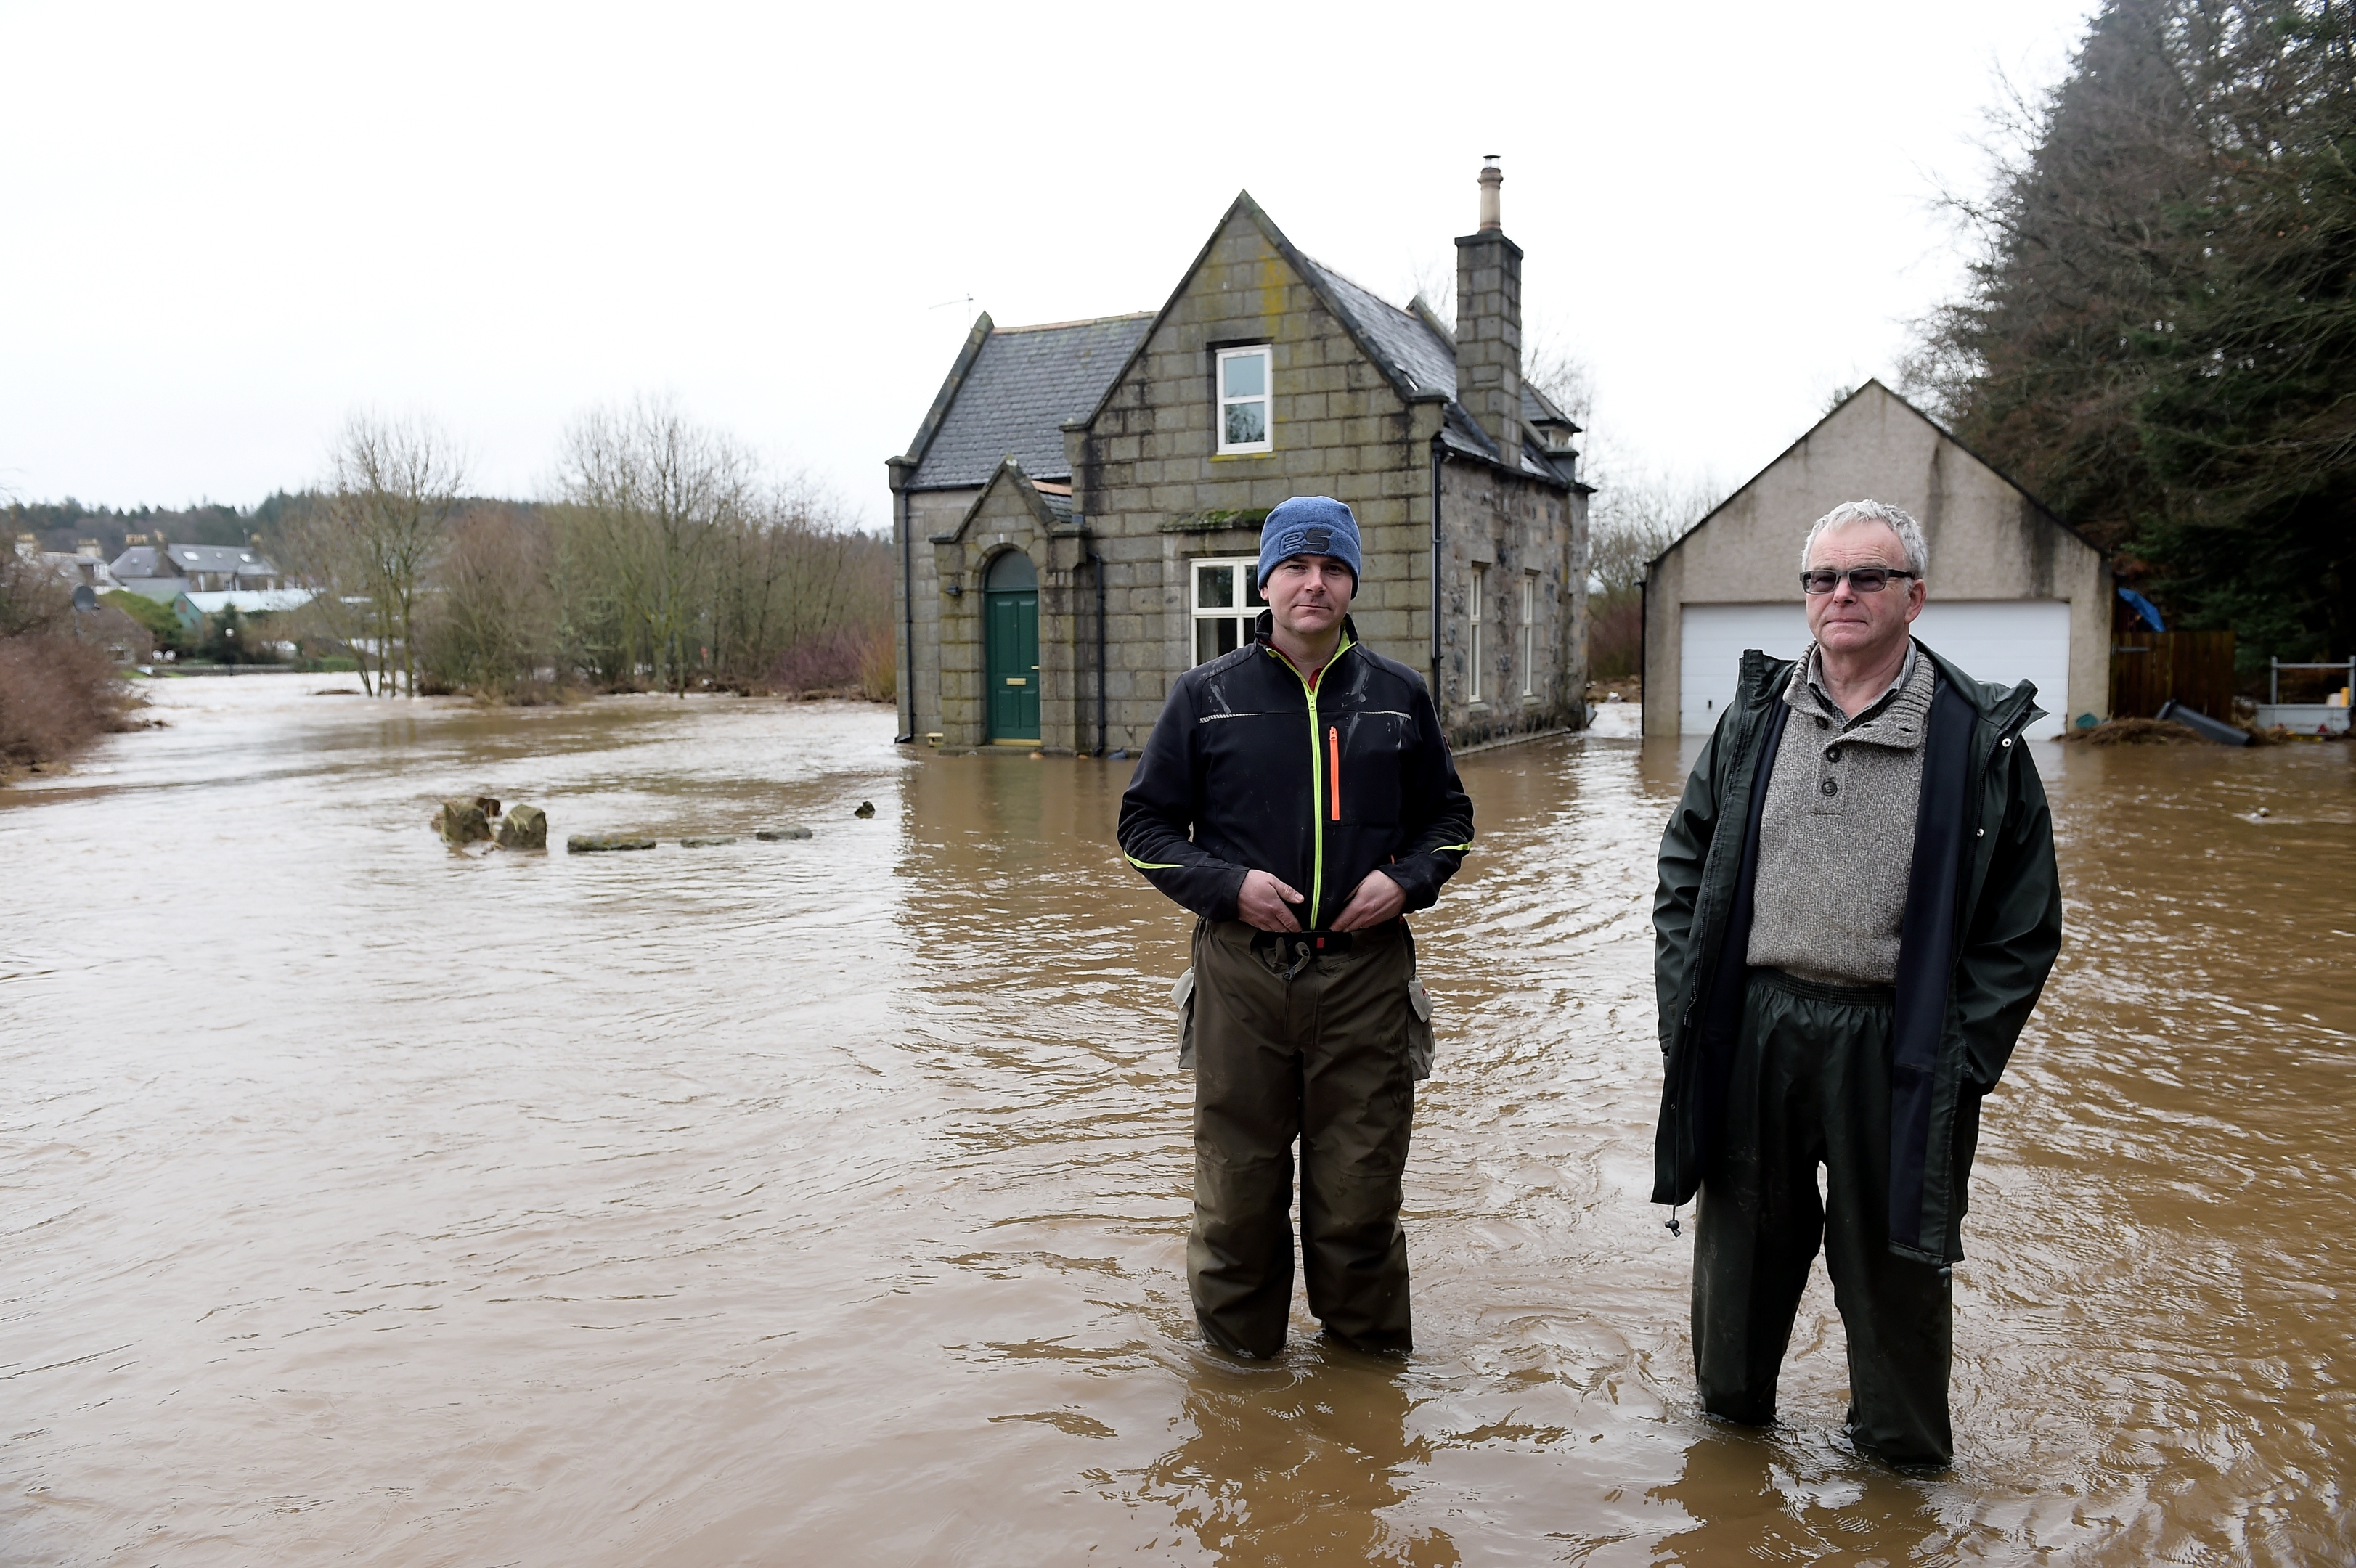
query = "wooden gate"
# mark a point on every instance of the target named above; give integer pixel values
(2195, 668)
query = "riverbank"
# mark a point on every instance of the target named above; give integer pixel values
(58, 696)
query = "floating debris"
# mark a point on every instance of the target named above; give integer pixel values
(866, 808)
(2136, 733)
(707, 841)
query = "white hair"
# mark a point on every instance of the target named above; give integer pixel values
(1908, 532)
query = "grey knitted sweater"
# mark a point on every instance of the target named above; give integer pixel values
(1837, 833)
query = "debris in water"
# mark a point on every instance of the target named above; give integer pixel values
(777, 835)
(2133, 732)
(600, 843)
(866, 808)
(707, 841)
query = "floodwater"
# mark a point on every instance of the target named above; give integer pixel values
(368, 1202)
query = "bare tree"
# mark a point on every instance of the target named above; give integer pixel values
(490, 626)
(652, 498)
(367, 545)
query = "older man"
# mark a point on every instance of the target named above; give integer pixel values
(1857, 908)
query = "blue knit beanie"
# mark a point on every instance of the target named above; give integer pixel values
(1308, 525)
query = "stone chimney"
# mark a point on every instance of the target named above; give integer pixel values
(1488, 324)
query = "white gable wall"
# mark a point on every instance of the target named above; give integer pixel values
(1990, 548)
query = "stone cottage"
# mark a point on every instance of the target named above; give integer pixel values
(1078, 517)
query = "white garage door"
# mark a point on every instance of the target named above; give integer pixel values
(2005, 640)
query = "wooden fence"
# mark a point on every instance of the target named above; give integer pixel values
(2147, 668)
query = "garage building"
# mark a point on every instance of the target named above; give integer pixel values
(2016, 594)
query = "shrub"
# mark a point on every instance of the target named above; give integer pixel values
(57, 695)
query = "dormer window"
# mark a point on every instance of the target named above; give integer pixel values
(1243, 399)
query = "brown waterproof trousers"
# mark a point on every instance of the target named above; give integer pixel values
(1292, 1046)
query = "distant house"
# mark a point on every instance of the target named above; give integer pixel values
(164, 571)
(195, 609)
(2016, 594)
(84, 567)
(1078, 516)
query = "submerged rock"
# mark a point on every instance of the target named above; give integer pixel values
(600, 843)
(462, 822)
(777, 835)
(525, 827)
(866, 808)
(707, 841)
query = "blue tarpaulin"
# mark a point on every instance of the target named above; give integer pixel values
(2142, 607)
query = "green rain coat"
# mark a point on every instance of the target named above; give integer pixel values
(1982, 928)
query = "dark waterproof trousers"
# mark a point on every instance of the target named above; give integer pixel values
(1809, 1085)
(1318, 1056)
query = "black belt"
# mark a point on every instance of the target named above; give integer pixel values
(1290, 952)
(1291, 943)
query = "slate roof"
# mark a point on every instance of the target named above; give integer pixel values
(1421, 356)
(219, 558)
(1009, 396)
(1023, 385)
(179, 559)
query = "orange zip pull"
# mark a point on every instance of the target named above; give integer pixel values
(1333, 767)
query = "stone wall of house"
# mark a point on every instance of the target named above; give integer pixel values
(929, 512)
(1501, 531)
(1156, 495)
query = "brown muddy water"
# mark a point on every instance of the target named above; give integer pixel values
(371, 1203)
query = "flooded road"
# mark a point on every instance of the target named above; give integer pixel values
(826, 1201)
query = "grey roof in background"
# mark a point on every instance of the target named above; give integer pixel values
(219, 558)
(143, 560)
(1025, 382)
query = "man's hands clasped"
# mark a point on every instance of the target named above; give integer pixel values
(1266, 903)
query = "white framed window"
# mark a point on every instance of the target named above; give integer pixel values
(1244, 408)
(1530, 636)
(1472, 665)
(1227, 601)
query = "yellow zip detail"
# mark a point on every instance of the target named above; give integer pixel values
(1147, 865)
(1316, 778)
(1316, 801)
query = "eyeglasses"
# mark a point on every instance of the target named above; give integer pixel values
(1864, 578)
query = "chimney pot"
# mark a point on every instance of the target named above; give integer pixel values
(1492, 176)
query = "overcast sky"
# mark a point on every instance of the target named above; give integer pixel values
(229, 226)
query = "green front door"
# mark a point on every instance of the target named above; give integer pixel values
(1010, 634)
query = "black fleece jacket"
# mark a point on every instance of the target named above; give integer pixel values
(1249, 769)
